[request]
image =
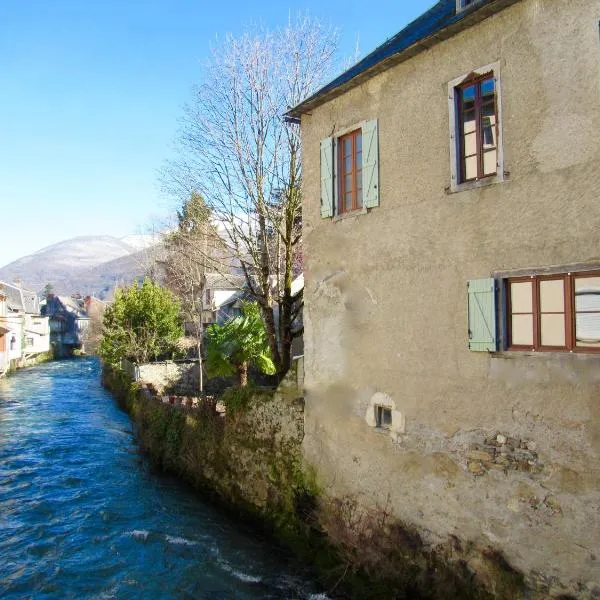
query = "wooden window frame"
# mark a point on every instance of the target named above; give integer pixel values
(381, 414)
(341, 174)
(570, 313)
(478, 106)
(453, 129)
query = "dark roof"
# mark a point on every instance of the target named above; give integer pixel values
(217, 281)
(54, 306)
(439, 23)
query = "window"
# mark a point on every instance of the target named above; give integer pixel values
(554, 312)
(350, 170)
(475, 129)
(383, 417)
(557, 312)
(463, 4)
(29, 342)
(477, 132)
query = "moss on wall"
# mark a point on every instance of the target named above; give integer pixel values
(251, 463)
(249, 460)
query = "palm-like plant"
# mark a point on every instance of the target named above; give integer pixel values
(241, 341)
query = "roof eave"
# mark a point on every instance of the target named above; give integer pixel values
(463, 21)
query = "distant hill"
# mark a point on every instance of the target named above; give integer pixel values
(85, 265)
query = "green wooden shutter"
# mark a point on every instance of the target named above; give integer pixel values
(482, 315)
(370, 141)
(327, 177)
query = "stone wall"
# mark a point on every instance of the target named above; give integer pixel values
(248, 458)
(179, 377)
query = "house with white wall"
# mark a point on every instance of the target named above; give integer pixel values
(3, 332)
(28, 332)
(222, 297)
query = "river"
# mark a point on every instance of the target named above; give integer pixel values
(83, 516)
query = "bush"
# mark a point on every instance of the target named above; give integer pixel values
(143, 324)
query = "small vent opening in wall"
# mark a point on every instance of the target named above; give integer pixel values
(383, 417)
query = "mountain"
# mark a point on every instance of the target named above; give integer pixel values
(85, 265)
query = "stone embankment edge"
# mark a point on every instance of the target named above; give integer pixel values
(32, 361)
(250, 463)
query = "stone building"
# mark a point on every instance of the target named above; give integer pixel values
(452, 299)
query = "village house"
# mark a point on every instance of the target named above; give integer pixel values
(27, 332)
(222, 297)
(452, 302)
(3, 331)
(69, 323)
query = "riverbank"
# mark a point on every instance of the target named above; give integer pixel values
(250, 462)
(30, 361)
(83, 516)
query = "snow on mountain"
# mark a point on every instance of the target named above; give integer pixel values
(141, 241)
(81, 251)
(86, 264)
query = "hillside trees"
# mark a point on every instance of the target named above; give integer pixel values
(142, 324)
(48, 290)
(235, 149)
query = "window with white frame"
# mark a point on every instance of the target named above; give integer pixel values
(475, 110)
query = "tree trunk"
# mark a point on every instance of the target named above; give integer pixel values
(271, 331)
(200, 374)
(285, 307)
(243, 374)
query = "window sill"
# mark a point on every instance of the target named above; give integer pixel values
(473, 185)
(385, 430)
(508, 354)
(351, 213)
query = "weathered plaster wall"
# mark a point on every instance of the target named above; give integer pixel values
(15, 326)
(386, 306)
(3, 358)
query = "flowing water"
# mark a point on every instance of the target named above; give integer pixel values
(82, 516)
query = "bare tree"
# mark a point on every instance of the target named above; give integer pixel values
(191, 251)
(237, 150)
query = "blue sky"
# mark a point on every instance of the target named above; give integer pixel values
(90, 95)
